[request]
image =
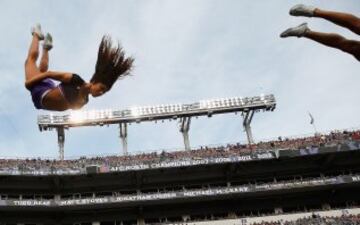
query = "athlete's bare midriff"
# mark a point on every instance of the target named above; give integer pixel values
(54, 100)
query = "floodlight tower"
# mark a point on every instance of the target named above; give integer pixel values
(182, 112)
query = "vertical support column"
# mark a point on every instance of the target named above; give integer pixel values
(123, 136)
(184, 129)
(140, 221)
(140, 216)
(61, 141)
(246, 123)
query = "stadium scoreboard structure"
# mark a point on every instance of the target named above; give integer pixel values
(181, 112)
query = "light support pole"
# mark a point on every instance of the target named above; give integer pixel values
(184, 129)
(123, 136)
(248, 115)
(61, 141)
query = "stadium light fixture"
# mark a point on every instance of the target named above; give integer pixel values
(158, 112)
(77, 116)
(248, 106)
(135, 112)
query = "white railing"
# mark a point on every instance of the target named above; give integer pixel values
(274, 218)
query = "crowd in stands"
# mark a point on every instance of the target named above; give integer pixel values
(330, 139)
(319, 220)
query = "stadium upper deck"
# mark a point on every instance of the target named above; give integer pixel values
(204, 155)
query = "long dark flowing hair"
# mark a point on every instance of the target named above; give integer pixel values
(111, 63)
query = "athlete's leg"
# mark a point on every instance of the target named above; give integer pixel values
(47, 46)
(332, 40)
(335, 41)
(342, 19)
(31, 68)
(44, 61)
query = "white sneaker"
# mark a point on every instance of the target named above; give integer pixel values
(48, 42)
(37, 30)
(298, 31)
(302, 10)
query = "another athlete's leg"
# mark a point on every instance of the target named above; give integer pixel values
(47, 46)
(335, 41)
(342, 19)
(30, 64)
(332, 40)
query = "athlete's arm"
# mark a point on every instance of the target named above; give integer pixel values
(60, 76)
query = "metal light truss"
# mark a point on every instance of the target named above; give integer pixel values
(248, 106)
(157, 112)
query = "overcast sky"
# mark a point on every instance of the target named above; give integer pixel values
(185, 51)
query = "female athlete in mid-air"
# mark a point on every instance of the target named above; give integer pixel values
(332, 40)
(73, 91)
